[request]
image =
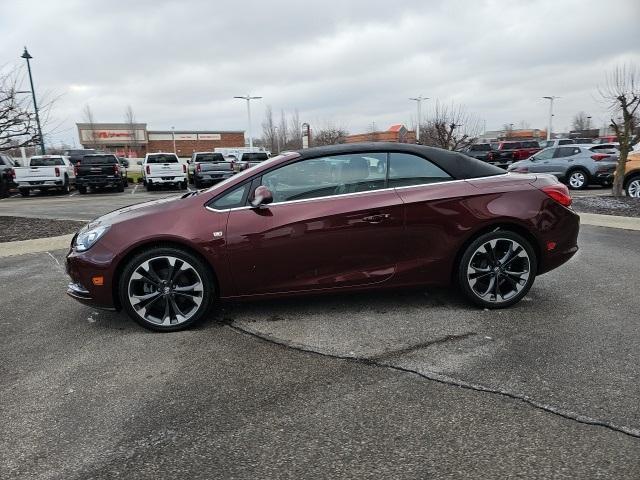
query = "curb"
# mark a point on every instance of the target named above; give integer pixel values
(20, 247)
(610, 221)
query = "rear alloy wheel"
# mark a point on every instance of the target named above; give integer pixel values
(24, 192)
(633, 187)
(497, 269)
(578, 180)
(166, 289)
(66, 188)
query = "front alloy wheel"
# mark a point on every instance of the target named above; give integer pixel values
(633, 188)
(166, 289)
(497, 269)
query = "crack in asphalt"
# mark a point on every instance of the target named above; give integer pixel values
(446, 380)
(419, 346)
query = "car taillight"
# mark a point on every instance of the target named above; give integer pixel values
(57, 172)
(559, 193)
(116, 169)
(184, 168)
(599, 156)
(148, 170)
(75, 170)
(12, 173)
(198, 168)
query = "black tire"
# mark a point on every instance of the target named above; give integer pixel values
(183, 185)
(4, 188)
(472, 264)
(632, 186)
(150, 187)
(120, 187)
(82, 190)
(573, 177)
(24, 192)
(66, 188)
(126, 181)
(196, 183)
(158, 302)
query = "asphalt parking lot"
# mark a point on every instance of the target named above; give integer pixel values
(406, 384)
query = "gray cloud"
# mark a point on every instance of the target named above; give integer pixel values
(354, 63)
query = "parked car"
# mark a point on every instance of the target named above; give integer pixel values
(45, 173)
(249, 159)
(577, 165)
(557, 142)
(75, 155)
(631, 182)
(481, 151)
(208, 173)
(394, 215)
(7, 175)
(160, 169)
(202, 157)
(509, 152)
(101, 171)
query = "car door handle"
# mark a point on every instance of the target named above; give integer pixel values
(377, 218)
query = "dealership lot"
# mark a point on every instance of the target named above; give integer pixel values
(400, 384)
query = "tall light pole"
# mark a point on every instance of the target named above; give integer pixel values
(248, 98)
(28, 57)
(173, 136)
(551, 99)
(419, 100)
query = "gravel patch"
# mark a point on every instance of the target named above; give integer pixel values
(608, 205)
(20, 228)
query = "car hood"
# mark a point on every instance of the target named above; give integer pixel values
(137, 210)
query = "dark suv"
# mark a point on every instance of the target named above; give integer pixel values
(481, 151)
(7, 175)
(100, 170)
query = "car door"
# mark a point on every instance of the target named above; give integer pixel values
(332, 224)
(563, 159)
(541, 161)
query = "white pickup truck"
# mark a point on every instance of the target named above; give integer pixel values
(163, 169)
(45, 172)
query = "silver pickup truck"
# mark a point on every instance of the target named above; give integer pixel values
(207, 168)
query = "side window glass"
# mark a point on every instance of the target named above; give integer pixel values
(406, 169)
(564, 152)
(235, 198)
(545, 154)
(327, 176)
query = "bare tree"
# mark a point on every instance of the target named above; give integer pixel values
(269, 129)
(283, 131)
(295, 132)
(622, 93)
(130, 120)
(329, 135)
(451, 127)
(17, 122)
(581, 121)
(87, 114)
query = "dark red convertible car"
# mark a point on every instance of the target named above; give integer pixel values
(327, 219)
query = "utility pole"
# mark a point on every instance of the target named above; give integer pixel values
(28, 57)
(551, 99)
(248, 98)
(419, 100)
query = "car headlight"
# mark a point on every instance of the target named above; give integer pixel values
(87, 238)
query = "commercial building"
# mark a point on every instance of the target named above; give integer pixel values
(135, 141)
(395, 133)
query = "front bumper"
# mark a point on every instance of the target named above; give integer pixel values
(82, 267)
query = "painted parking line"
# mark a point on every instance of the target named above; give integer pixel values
(134, 189)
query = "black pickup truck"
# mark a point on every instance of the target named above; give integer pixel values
(100, 170)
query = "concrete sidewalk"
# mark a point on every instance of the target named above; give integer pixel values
(9, 249)
(610, 221)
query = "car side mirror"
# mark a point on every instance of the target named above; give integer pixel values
(125, 163)
(261, 197)
(139, 162)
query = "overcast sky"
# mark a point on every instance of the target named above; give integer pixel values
(347, 62)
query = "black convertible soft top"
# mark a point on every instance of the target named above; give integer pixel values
(456, 164)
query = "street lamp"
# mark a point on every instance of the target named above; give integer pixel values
(418, 101)
(248, 98)
(551, 99)
(173, 136)
(28, 57)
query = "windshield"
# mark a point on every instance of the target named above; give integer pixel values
(45, 162)
(209, 157)
(162, 158)
(99, 160)
(481, 147)
(254, 157)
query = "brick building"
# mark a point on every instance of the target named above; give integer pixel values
(395, 133)
(134, 140)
